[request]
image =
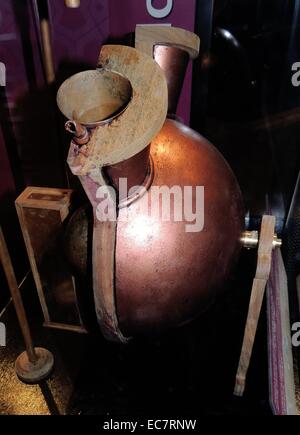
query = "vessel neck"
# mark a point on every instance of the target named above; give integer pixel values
(174, 62)
(136, 171)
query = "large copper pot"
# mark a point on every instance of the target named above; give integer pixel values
(165, 276)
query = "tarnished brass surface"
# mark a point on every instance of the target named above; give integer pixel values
(249, 240)
(277, 243)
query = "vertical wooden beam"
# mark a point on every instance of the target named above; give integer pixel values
(257, 294)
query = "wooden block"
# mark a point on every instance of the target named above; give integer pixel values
(148, 36)
(41, 213)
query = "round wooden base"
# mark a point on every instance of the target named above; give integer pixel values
(33, 373)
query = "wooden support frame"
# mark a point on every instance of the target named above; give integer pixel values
(270, 275)
(41, 213)
(264, 259)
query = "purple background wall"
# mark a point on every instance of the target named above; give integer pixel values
(78, 34)
(24, 77)
(27, 107)
(7, 185)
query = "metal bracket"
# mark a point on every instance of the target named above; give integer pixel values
(250, 240)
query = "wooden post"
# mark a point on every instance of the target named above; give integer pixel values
(35, 364)
(16, 297)
(47, 51)
(257, 294)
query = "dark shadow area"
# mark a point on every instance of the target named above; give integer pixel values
(252, 109)
(40, 151)
(9, 220)
(252, 113)
(52, 406)
(10, 140)
(189, 371)
(186, 371)
(21, 13)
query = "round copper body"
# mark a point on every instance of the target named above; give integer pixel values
(164, 275)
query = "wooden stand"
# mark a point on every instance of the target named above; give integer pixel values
(33, 372)
(35, 364)
(42, 212)
(47, 51)
(257, 294)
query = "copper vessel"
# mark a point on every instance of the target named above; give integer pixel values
(164, 276)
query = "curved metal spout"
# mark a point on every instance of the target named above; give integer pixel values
(80, 132)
